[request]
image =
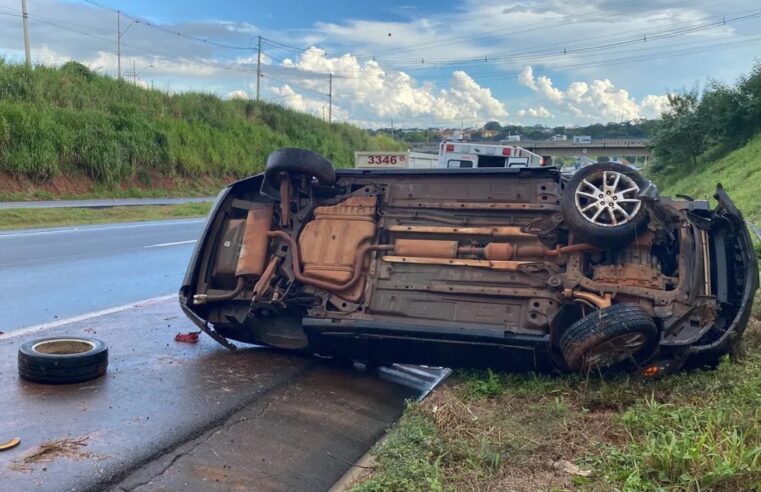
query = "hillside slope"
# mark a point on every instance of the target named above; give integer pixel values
(739, 172)
(70, 121)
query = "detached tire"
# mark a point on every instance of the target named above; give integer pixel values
(611, 336)
(62, 360)
(299, 161)
(600, 204)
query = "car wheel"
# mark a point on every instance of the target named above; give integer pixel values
(299, 161)
(62, 360)
(601, 204)
(611, 336)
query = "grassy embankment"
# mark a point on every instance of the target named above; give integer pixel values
(739, 172)
(693, 431)
(53, 217)
(68, 132)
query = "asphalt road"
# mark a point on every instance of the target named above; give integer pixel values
(106, 202)
(169, 415)
(176, 416)
(50, 274)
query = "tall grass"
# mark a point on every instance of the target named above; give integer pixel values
(63, 120)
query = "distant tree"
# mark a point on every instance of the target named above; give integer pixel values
(493, 126)
(679, 137)
(723, 109)
(749, 87)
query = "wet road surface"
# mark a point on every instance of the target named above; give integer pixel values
(50, 274)
(170, 416)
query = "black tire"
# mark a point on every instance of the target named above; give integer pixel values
(299, 161)
(604, 236)
(62, 360)
(589, 344)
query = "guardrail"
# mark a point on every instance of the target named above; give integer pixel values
(602, 143)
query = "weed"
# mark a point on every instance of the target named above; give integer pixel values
(59, 121)
(476, 384)
(48, 217)
(698, 430)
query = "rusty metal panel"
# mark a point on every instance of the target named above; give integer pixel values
(329, 243)
(426, 248)
(253, 252)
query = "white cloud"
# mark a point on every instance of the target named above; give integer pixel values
(597, 100)
(369, 92)
(526, 77)
(237, 94)
(540, 112)
(653, 106)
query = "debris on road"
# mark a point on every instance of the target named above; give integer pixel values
(190, 337)
(62, 360)
(10, 444)
(568, 467)
(48, 451)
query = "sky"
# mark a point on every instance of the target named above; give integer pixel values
(406, 63)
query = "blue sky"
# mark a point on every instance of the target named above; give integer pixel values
(443, 63)
(280, 14)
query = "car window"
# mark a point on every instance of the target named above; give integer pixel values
(455, 163)
(491, 161)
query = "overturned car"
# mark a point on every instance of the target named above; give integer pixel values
(510, 268)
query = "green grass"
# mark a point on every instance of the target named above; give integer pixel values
(738, 171)
(50, 217)
(693, 431)
(71, 121)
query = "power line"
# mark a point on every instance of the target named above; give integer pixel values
(166, 30)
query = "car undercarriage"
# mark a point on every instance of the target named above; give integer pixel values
(506, 268)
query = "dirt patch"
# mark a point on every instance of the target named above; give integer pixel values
(68, 447)
(79, 185)
(512, 442)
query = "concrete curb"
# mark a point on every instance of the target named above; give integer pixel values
(365, 465)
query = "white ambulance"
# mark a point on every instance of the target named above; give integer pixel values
(457, 155)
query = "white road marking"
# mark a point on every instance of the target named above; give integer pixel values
(84, 317)
(99, 228)
(162, 245)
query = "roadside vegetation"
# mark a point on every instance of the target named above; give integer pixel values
(702, 126)
(694, 431)
(71, 121)
(51, 217)
(739, 172)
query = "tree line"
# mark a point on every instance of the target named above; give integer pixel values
(719, 118)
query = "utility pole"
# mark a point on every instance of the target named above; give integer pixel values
(258, 67)
(119, 34)
(330, 99)
(119, 43)
(134, 73)
(25, 19)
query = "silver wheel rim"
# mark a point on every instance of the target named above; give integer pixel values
(608, 198)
